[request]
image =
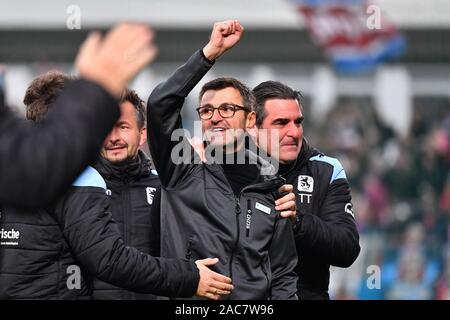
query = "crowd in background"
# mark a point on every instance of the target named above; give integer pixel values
(401, 195)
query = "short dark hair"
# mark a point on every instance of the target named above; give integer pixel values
(132, 97)
(227, 82)
(272, 90)
(42, 92)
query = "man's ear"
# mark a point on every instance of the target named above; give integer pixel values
(143, 136)
(250, 120)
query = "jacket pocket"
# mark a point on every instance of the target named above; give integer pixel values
(258, 222)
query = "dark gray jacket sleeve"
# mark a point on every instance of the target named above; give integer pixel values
(38, 162)
(331, 236)
(2, 92)
(96, 243)
(163, 118)
(283, 259)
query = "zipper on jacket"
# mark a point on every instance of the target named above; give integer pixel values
(268, 291)
(189, 251)
(249, 218)
(258, 186)
(236, 243)
(127, 215)
(238, 212)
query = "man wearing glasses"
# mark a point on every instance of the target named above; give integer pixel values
(223, 207)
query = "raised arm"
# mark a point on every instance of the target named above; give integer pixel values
(165, 102)
(39, 162)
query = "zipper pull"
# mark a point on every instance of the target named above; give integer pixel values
(238, 206)
(188, 251)
(249, 218)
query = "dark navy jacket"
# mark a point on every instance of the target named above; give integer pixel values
(53, 253)
(326, 233)
(132, 188)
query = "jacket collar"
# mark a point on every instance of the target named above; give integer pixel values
(253, 156)
(128, 170)
(305, 154)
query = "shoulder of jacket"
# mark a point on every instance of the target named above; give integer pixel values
(90, 178)
(338, 170)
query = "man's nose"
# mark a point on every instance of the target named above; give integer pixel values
(113, 135)
(216, 117)
(294, 130)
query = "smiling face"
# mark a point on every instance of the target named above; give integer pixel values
(123, 142)
(285, 116)
(221, 131)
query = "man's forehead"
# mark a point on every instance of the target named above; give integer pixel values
(127, 112)
(126, 106)
(228, 94)
(283, 108)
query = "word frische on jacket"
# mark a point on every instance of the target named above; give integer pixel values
(9, 235)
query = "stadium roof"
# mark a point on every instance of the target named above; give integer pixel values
(45, 14)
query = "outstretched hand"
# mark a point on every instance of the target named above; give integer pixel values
(212, 284)
(114, 59)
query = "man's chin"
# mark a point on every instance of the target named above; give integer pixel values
(218, 142)
(116, 159)
(287, 159)
(228, 146)
(287, 156)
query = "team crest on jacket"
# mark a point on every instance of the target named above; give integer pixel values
(305, 184)
(150, 194)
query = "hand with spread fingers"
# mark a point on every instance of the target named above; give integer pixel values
(212, 285)
(114, 59)
(287, 204)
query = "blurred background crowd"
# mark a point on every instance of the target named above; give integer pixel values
(401, 190)
(387, 120)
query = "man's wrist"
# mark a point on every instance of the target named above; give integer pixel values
(114, 88)
(211, 54)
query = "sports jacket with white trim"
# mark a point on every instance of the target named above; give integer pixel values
(326, 233)
(131, 187)
(50, 254)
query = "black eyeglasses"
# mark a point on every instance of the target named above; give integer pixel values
(226, 110)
